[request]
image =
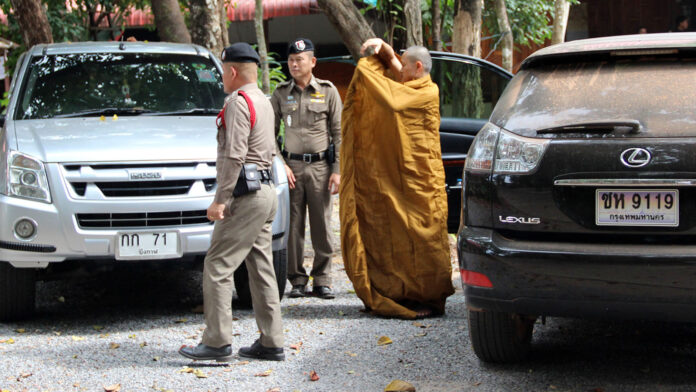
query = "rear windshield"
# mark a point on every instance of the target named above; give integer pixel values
(74, 83)
(659, 93)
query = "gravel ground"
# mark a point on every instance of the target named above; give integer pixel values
(124, 328)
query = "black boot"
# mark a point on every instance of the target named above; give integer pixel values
(257, 351)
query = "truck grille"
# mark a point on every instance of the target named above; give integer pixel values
(99, 181)
(142, 219)
(136, 189)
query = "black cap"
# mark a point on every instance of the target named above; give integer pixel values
(300, 45)
(240, 52)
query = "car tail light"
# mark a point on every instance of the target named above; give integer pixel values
(471, 278)
(497, 150)
(518, 154)
(482, 150)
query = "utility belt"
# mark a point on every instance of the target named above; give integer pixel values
(250, 179)
(329, 155)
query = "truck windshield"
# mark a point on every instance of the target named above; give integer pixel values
(124, 83)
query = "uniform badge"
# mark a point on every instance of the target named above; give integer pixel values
(317, 95)
(300, 45)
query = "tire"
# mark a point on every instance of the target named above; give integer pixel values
(241, 279)
(17, 292)
(500, 337)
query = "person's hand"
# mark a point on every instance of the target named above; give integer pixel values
(334, 183)
(216, 211)
(371, 46)
(291, 177)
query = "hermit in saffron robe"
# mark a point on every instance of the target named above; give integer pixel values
(393, 204)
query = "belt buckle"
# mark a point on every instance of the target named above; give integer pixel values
(307, 158)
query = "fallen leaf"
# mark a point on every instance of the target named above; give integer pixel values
(264, 374)
(194, 337)
(340, 313)
(20, 330)
(296, 346)
(23, 375)
(74, 356)
(76, 385)
(114, 346)
(313, 376)
(235, 318)
(156, 359)
(184, 370)
(143, 344)
(198, 373)
(399, 386)
(417, 324)
(276, 389)
(61, 299)
(351, 372)
(477, 383)
(384, 340)
(131, 336)
(57, 333)
(352, 354)
(180, 321)
(351, 291)
(113, 388)
(102, 118)
(97, 327)
(8, 341)
(78, 338)
(420, 335)
(104, 335)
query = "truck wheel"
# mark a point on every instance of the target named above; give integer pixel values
(17, 292)
(241, 279)
(500, 337)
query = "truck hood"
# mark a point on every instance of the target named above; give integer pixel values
(138, 138)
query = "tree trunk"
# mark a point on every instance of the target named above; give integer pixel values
(561, 9)
(466, 34)
(170, 21)
(209, 24)
(437, 26)
(33, 22)
(349, 23)
(414, 24)
(504, 28)
(261, 42)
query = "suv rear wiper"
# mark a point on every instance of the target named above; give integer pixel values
(594, 126)
(106, 112)
(188, 112)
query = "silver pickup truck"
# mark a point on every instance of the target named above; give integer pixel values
(107, 157)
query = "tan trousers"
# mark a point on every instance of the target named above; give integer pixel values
(311, 193)
(244, 233)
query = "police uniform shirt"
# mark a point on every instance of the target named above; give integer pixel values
(309, 115)
(238, 143)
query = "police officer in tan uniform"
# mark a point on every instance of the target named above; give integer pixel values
(310, 110)
(243, 210)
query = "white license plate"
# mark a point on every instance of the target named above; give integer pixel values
(637, 207)
(147, 245)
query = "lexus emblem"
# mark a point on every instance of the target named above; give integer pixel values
(635, 157)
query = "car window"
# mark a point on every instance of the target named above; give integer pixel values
(73, 83)
(466, 90)
(658, 93)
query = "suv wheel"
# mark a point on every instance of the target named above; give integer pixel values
(17, 292)
(241, 279)
(500, 337)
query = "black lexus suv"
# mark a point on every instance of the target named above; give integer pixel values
(579, 193)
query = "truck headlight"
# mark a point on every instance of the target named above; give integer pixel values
(27, 178)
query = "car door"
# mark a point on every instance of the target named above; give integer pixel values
(469, 89)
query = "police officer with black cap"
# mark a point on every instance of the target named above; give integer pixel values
(310, 110)
(243, 210)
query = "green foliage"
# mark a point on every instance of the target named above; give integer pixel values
(446, 19)
(275, 72)
(530, 20)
